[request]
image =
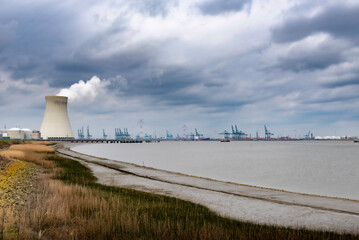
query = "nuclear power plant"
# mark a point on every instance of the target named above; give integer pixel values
(56, 123)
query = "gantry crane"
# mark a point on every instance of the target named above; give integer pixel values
(104, 134)
(119, 134)
(267, 133)
(237, 134)
(169, 135)
(89, 136)
(80, 133)
(226, 136)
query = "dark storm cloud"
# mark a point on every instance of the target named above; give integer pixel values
(15, 90)
(168, 87)
(132, 63)
(339, 21)
(43, 51)
(153, 7)
(336, 24)
(319, 58)
(323, 116)
(182, 69)
(38, 31)
(179, 86)
(343, 82)
(217, 7)
(331, 99)
(75, 67)
(170, 82)
(38, 34)
(24, 66)
(7, 33)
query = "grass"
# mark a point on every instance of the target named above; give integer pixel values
(32, 148)
(69, 204)
(4, 143)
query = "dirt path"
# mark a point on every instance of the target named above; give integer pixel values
(236, 201)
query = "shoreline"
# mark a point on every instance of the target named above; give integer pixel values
(211, 179)
(241, 202)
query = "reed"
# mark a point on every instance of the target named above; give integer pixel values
(32, 148)
(47, 143)
(4, 144)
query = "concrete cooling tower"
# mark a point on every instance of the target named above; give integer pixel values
(56, 123)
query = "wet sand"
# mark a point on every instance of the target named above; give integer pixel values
(241, 202)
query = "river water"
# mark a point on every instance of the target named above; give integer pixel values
(327, 168)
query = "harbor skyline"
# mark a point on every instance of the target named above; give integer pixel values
(289, 65)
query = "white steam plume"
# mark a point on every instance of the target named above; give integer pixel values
(84, 91)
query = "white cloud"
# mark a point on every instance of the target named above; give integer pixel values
(82, 92)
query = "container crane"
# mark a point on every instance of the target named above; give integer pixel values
(80, 133)
(119, 134)
(226, 136)
(89, 136)
(169, 135)
(197, 135)
(237, 134)
(104, 134)
(267, 133)
(127, 135)
(309, 135)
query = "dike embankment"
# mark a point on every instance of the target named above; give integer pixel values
(241, 202)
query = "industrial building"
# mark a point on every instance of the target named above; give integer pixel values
(56, 123)
(36, 135)
(19, 133)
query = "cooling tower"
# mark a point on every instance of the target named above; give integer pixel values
(56, 123)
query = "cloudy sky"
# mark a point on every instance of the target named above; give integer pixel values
(292, 65)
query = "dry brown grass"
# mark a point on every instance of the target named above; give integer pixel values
(4, 144)
(34, 157)
(32, 148)
(47, 143)
(21, 155)
(65, 211)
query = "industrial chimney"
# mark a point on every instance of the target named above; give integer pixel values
(56, 123)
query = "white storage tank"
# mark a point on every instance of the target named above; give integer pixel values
(15, 133)
(26, 133)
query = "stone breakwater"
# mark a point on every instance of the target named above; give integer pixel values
(16, 178)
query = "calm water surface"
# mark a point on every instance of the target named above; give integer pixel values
(329, 168)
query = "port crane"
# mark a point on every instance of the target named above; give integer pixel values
(89, 136)
(147, 137)
(169, 135)
(104, 134)
(309, 135)
(267, 133)
(196, 135)
(226, 135)
(119, 134)
(80, 133)
(237, 134)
